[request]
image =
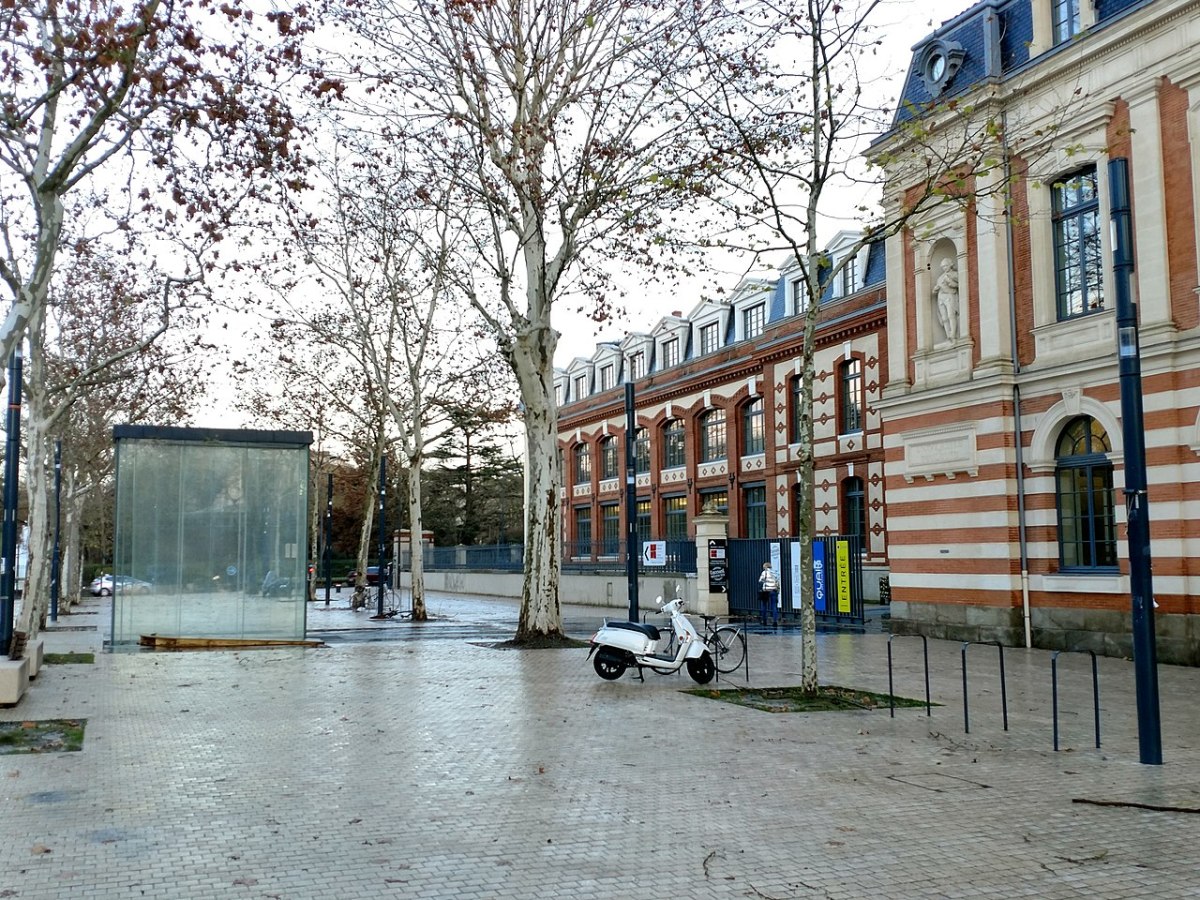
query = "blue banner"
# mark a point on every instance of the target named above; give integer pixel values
(818, 551)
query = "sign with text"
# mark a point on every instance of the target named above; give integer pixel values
(718, 566)
(654, 553)
(818, 551)
(843, 576)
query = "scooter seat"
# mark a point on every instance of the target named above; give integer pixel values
(648, 630)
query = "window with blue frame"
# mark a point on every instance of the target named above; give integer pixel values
(1078, 264)
(583, 531)
(610, 529)
(675, 517)
(1087, 526)
(754, 505)
(1064, 16)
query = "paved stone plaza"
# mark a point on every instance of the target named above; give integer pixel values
(442, 768)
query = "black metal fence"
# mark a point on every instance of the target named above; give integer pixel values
(837, 562)
(580, 556)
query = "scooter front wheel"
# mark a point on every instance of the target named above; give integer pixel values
(702, 668)
(609, 664)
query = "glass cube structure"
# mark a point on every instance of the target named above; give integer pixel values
(211, 533)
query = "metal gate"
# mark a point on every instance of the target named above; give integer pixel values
(838, 580)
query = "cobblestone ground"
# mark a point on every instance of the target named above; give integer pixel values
(441, 768)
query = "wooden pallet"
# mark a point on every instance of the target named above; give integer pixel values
(165, 642)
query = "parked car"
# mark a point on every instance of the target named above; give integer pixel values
(102, 586)
(372, 576)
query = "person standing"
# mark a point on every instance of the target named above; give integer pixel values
(768, 595)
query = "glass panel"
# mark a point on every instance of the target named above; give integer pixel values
(851, 411)
(675, 513)
(673, 444)
(756, 511)
(643, 520)
(608, 458)
(610, 521)
(583, 464)
(641, 450)
(210, 540)
(755, 430)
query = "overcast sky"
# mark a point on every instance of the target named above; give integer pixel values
(905, 22)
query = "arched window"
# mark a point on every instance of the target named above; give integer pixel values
(608, 457)
(1087, 527)
(850, 405)
(753, 428)
(582, 460)
(641, 450)
(712, 436)
(673, 444)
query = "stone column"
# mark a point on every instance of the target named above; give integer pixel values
(709, 525)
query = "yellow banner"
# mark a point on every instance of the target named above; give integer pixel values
(843, 576)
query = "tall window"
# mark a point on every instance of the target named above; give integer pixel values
(643, 520)
(1087, 529)
(712, 435)
(580, 387)
(754, 320)
(675, 515)
(754, 427)
(610, 529)
(607, 378)
(673, 444)
(754, 502)
(1065, 17)
(582, 461)
(796, 398)
(850, 276)
(670, 353)
(709, 338)
(1078, 267)
(641, 450)
(637, 365)
(609, 457)
(850, 407)
(799, 296)
(583, 531)
(854, 509)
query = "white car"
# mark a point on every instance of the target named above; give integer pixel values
(103, 585)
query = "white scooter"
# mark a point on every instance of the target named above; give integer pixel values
(619, 645)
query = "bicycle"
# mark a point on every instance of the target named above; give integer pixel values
(726, 644)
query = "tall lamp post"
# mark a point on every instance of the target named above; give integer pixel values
(1145, 652)
(8, 536)
(631, 541)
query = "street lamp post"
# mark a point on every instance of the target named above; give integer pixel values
(1145, 652)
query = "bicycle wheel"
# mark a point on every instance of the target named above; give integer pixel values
(728, 647)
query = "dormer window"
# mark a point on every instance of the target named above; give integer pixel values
(710, 338)
(637, 365)
(799, 296)
(754, 319)
(607, 377)
(850, 276)
(1065, 19)
(580, 387)
(670, 353)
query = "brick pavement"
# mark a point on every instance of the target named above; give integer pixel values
(444, 769)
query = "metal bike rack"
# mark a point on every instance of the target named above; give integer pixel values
(1095, 691)
(1003, 689)
(891, 691)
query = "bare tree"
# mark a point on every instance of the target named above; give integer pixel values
(97, 94)
(566, 155)
(795, 109)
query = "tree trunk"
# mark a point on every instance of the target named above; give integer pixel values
(35, 601)
(532, 361)
(415, 546)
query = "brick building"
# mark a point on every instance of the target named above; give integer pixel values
(967, 405)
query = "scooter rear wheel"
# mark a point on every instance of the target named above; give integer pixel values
(609, 665)
(702, 668)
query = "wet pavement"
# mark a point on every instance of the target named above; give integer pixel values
(447, 769)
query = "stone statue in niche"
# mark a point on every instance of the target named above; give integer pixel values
(946, 291)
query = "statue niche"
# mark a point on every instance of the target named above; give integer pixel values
(945, 296)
